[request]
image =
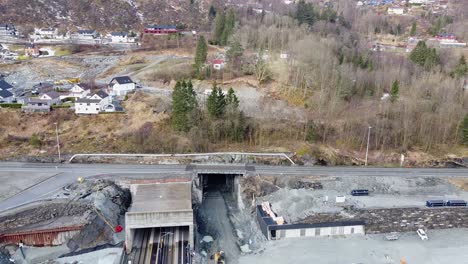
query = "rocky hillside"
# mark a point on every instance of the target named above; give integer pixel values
(103, 14)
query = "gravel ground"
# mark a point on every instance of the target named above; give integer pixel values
(443, 246)
(388, 192)
(104, 256)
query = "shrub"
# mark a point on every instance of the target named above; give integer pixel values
(11, 105)
(35, 141)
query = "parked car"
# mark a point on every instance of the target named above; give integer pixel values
(392, 236)
(422, 234)
(360, 192)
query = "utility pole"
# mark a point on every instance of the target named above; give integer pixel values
(367, 149)
(58, 142)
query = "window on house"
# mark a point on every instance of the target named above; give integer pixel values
(341, 230)
(303, 231)
(317, 231)
(352, 230)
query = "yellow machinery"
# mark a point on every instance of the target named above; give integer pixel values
(219, 257)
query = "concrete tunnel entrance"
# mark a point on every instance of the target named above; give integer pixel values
(159, 211)
(225, 183)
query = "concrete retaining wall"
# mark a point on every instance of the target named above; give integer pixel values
(400, 219)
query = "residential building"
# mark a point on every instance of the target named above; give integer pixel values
(87, 106)
(50, 98)
(417, 2)
(31, 50)
(7, 30)
(120, 86)
(160, 29)
(46, 33)
(121, 37)
(88, 34)
(42, 87)
(103, 96)
(36, 106)
(80, 90)
(6, 96)
(218, 64)
(396, 10)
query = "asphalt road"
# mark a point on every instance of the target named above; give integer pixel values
(68, 173)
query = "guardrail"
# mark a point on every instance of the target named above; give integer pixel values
(283, 155)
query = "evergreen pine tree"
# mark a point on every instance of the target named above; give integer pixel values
(229, 25)
(413, 29)
(232, 102)
(211, 13)
(461, 69)
(216, 102)
(394, 91)
(200, 54)
(218, 27)
(424, 56)
(184, 102)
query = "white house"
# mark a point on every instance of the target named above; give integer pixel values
(51, 97)
(80, 90)
(417, 2)
(103, 96)
(396, 10)
(6, 96)
(218, 64)
(46, 33)
(120, 86)
(86, 34)
(121, 37)
(87, 106)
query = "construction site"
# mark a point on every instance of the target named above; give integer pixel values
(237, 214)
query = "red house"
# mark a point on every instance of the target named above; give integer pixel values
(160, 29)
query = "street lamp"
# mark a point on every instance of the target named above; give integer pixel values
(58, 142)
(367, 149)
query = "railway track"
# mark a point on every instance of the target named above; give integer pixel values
(161, 245)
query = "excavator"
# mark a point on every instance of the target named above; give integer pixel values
(219, 257)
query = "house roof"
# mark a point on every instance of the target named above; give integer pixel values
(122, 79)
(86, 31)
(83, 86)
(217, 61)
(101, 94)
(5, 93)
(87, 100)
(52, 94)
(119, 34)
(4, 85)
(161, 26)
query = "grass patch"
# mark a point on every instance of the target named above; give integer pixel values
(63, 51)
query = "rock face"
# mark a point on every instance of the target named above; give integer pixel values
(98, 205)
(109, 203)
